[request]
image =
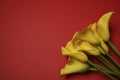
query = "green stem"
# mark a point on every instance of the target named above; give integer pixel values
(99, 69)
(107, 63)
(113, 47)
(92, 69)
(111, 58)
(108, 71)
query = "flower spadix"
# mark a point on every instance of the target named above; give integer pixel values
(74, 66)
(103, 26)
(71, 50)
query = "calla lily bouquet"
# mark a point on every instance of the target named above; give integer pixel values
(92, 41)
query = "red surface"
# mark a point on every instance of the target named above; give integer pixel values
(32, 33)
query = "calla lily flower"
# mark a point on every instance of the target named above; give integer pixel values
(88, 48)
(86, 35)
(74, 66)
(103, 26)
(93, 28)
(71, 50)
(90, 41)
(84, 46)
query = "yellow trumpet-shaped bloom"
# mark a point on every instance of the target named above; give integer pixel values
(88, 48)
(86, 35)
(93, 27)
(71, 50)
(74, 66)
(103, 26)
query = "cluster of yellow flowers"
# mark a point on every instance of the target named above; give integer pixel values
(91, 41)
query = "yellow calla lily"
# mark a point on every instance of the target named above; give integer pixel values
(86, 35)
(74, 66)
(70, 50)
(84, 46)
(93, 28)
(103, 26)
(88, 48)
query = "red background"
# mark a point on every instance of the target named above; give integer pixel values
(32, 32)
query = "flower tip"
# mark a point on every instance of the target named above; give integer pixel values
(64, 51)
(74, 38)
(74, 35)
(62, 72)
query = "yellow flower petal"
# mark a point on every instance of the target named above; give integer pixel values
(93, 27)
(86, 35)
(71, 50)
(88, 48)
(74, 66)
(103, 26)
(71, 47)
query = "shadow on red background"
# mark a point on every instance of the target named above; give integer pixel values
(32, 33)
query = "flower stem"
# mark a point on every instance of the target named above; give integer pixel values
(93, 69)
(107, 63)
(108, 71)
(113, 47)
(99, 69)
(111, 58)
